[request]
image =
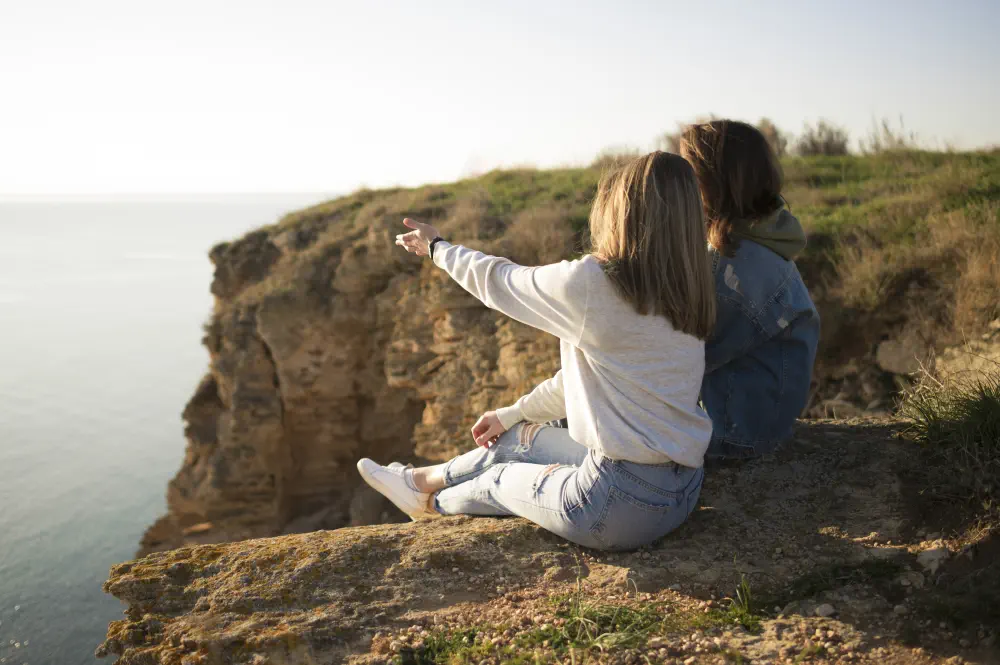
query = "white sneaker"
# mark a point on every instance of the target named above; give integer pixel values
(390, 483)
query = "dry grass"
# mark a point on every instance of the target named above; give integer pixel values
(883, 137)
(611, 158)
(956, 421)
(540, 236)
(950, 259)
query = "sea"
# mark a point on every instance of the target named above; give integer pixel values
(102, 304)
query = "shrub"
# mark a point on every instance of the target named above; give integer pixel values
(883, 138)
(774, 136)
(822, 139)
(539, 236)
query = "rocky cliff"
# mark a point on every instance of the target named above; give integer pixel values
(834, 559)
(327, 343)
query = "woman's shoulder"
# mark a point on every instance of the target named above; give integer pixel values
(586, 267)
(589, 264)
(589, 269)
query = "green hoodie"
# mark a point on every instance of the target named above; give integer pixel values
(780, 232)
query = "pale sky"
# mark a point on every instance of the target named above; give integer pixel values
(133, 96)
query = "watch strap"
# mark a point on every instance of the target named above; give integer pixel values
(430, 247)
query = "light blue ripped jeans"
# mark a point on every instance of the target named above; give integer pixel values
(540, 473)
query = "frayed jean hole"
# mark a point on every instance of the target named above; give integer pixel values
(526, 434)
(498, 471)
(536, 488)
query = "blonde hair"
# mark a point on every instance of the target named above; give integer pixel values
(647, 229)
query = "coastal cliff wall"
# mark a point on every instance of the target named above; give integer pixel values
(327, 344)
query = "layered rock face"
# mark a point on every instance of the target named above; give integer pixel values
(328, 343)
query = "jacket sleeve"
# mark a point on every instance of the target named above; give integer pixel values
(552, 298)
(546, 402)
(736, 333)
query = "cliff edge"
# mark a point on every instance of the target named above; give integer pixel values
(328, 343)
(827, 541)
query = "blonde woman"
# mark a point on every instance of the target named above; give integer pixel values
(631, 317)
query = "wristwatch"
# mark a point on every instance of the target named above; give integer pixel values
(430, 248)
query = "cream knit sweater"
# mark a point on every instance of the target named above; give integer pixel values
(629, 383)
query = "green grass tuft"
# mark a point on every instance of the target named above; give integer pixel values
(582, 628)
(743, 609)
(957, 425)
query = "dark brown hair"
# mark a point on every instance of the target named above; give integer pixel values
(738, 174)
(646, 228)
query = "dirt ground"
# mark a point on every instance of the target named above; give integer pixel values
(845, 560)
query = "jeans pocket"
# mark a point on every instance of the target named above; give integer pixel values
(627, 522)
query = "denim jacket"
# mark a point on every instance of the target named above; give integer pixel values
(759, 361)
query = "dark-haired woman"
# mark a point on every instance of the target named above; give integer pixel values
(759, 360)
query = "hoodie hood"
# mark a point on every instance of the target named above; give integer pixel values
(780, 232)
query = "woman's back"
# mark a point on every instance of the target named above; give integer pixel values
(760, 356)
(640, 378)
(629, 382)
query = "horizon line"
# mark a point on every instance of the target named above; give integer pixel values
(14, 197)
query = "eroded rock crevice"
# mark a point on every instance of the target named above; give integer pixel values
(321, 353)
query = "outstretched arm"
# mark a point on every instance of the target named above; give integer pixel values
(552, 298)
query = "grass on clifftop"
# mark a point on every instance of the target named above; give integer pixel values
(957, 424)
(583, 628)
(901, 243)
(879, 225)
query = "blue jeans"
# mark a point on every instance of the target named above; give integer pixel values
(540, 473)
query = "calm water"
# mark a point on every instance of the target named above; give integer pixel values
(101, 307)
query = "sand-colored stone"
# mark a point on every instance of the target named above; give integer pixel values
(327, 344)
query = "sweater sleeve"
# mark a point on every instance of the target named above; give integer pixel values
(546, 402)
(552, 298)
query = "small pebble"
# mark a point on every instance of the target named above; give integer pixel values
(825, 610)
